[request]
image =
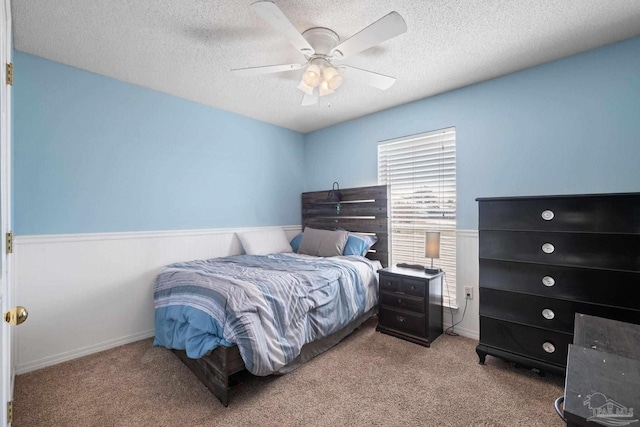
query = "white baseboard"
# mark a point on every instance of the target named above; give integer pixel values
(463, 332)
(81, 352)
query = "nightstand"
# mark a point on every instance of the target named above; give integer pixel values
(410, 304)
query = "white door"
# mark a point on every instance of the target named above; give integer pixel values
(6, 295)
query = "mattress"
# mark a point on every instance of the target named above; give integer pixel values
(269, 306)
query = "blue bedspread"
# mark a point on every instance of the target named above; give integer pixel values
(270, 306)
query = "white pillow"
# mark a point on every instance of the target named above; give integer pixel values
(265, 242)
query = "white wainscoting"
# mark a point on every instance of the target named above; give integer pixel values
(467, 275)
(90, 292)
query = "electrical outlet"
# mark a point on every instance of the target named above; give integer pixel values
(468, 292)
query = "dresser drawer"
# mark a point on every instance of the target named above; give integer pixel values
(571, 283)
(527, 309)
(542, 344)
(602, 213)
(594, 250)
(548, 313)
(406, 302)
(403, 321)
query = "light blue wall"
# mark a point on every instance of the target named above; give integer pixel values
(93, 154)
(570, 126)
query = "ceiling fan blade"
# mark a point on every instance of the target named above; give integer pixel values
(370, 78)
(256, 71)
(269, 12)
(309, 99)
(383, 29)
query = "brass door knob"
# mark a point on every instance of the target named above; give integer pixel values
(16, 316)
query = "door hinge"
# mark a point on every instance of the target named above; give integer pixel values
(10, 73)
(9, 242)
(9, 412)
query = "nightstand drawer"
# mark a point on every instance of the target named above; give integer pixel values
(389, 283)
(403, 321)
(406, 302)
(412, 287)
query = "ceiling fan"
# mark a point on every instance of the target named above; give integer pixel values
(320, 46)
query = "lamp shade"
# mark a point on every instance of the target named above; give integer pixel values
(432, 244)
(332, 77)
(305, 88)
(324, 88)
(312, 75)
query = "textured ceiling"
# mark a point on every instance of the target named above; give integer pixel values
(187, 47)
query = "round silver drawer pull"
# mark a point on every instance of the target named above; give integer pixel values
(548, 347)
(548, 215)
(548, 314)
(548, 248)
(548, 281)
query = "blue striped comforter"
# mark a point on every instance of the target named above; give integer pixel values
(270, 306)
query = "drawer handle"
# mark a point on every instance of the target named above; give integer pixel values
(548, 314)
(399, 300)
(400, 318)
(548, 281)
(548, 347)
(547, 215)
(548, 248)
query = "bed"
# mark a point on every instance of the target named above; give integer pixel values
(269, 313)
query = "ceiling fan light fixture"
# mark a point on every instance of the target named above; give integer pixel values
(320, 46)
(311, 76)
(324, 88)
(305, 87)
(332, 77)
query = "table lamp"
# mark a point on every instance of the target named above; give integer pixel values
(432, 249)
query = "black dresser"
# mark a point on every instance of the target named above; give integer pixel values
(542, 259)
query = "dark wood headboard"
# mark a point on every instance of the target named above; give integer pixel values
(362, 210)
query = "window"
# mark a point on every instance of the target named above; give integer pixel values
(421, 172)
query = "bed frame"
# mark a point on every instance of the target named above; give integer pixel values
(363, 210)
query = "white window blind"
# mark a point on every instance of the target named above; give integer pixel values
(421, 172)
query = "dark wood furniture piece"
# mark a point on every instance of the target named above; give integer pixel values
(603, 373)
(410, 304)
(362, 209)
(542, 259)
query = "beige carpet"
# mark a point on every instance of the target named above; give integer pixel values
(368, 379)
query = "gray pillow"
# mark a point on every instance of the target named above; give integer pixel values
(323, 242)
